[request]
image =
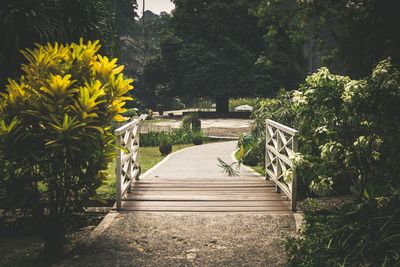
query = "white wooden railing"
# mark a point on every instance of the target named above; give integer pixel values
(281, 143)
(127, 166)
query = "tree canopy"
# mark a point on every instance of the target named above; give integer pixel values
(211, 48)
(237, 48)
(349, 36)
(26, 22)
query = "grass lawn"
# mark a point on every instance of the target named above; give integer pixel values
(148, 157)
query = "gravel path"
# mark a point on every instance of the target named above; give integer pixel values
(188, 239)
(198, 239)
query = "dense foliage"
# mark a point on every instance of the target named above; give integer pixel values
(349, 130)
(348, 36)
(55, 138)
(359, 234)
(225, 49)
(348, 144)
(209, 50)
(26, 22)
(175, 137)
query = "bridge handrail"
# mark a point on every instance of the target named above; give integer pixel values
(127, 165)
(280, 145)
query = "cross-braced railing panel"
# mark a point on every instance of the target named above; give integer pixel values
(127, 163)
(281, 144)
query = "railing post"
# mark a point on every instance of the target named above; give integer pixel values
(294, 181)
(278, 165)
(267, 139)
(118, 171)
(137, 163)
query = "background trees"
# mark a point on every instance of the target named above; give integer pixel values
(348, 36)
(211, 49)
(25, 22)
(236, 48)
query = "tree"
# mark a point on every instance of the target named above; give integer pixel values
(364, 33)
(282, 61)
(26, 22)
(211, 49)
(152, 80)
(348, 36)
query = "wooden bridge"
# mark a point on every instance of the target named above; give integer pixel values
(190, 180)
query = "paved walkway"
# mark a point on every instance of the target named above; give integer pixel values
(198, 162)
(247, 237)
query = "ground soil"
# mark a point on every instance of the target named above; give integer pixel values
(198, 239)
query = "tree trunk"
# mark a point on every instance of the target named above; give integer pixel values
(222, 104)
(53, 233)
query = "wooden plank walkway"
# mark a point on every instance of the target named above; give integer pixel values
(171, 189)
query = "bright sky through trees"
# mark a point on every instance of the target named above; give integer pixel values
(156, 6)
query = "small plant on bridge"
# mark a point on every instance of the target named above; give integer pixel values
(229, 169)
(55, 138)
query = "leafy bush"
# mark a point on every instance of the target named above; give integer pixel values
(55, 138)
(365, 234)
(348, 130)
(251, 150)
(192, 121)
(165, 146)
(181, 136)
(348, 144)
(176, 136)
(130, 112)
(151, 138)
(198, 138)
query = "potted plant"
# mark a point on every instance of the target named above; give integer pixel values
(198, 138)
(165, 146)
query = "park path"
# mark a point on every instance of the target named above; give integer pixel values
(198, 162)
(174, 217)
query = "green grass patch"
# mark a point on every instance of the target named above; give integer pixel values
(148, 156)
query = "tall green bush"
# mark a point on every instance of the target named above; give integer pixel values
(55, 138)
(177, 136)
(357, 234)
(348, 130)
(348, 144)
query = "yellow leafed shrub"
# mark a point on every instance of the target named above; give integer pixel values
(55, 137)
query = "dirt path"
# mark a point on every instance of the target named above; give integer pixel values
(198, 239)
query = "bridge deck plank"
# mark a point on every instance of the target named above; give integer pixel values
(203, 195)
